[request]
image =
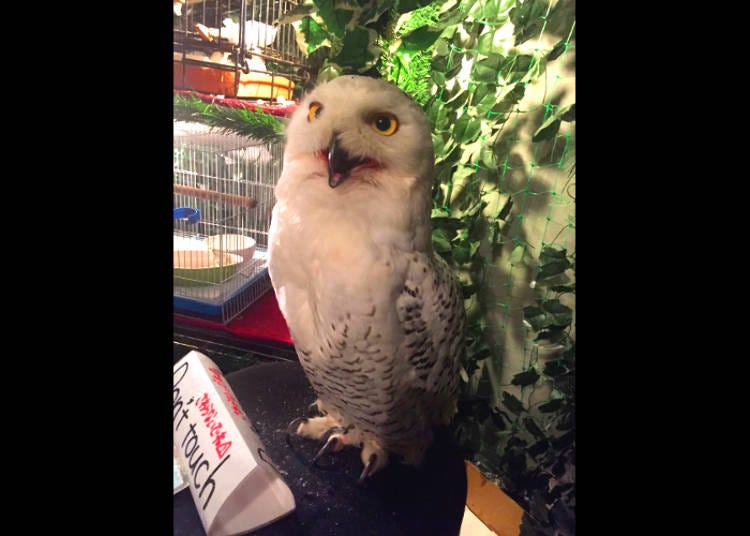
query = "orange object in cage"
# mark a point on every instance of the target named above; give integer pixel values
(222, 82)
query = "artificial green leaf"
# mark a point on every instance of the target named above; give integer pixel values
(527, 18)
(564, 440)
(371, 10)
(461, 173)
(464, 375)
(568, 113)
(548, 130)
(334, 18)
(527, 377)
(560, 314)
(439, 64)
(512, 403)
(562, 288)
(438, 77)
(438, 116)
(554, 369)
(521, 63)
(441, 47)
(359, 49)
(550, 280)
(514, 442)
(438, 212)
(328, 71)
(404, 6)
(551, 406)
(469, 435)
(448, 16)
(440, 241)
(503, 214)
(485, 105)
(483, 352)
(552, 334)
(567, 422)
(448, 224)
(552, 269)
(536, 317)
(315, 36)
(454, 65)
(493, 42)
(510, 97)
(457, 97)
(482, 89)
(538, 448)
(485, 391)
(516, 461)
(420, 39)
(533, 428)
(438, 143)
(517, 254)
(490, 9)
(475, 207)
(558, 49)
(473, 248)
(486, 70)
(551, 125)
(460, 254)
(484, 44)
(466, 129)
(552, 252)
(498, 418)
(469, 290)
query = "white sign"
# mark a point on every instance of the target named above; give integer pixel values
(235, 487)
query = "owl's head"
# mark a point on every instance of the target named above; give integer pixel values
(361, 129)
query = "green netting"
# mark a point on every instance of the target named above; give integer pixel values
(532, 168)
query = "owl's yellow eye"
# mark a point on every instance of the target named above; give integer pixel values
(385, 124)
(314, 111)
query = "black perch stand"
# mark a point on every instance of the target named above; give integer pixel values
(399, 500)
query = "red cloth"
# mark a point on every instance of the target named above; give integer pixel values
(262, 320)
(282, 110)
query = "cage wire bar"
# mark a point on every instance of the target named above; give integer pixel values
(228, 180)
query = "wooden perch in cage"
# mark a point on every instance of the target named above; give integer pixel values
(210, 195)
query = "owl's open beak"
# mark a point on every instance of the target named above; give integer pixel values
(340, 164)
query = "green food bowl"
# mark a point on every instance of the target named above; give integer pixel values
(194, 268)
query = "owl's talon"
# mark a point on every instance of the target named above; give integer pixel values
(315, 409)
(293, 428)
(367, 471)
(333, 443)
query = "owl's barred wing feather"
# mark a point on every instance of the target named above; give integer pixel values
(431, 311)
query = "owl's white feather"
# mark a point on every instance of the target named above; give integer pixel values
(377, 319)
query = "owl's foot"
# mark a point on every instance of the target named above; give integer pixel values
(374, 458)
(334, 437)
(314, 428)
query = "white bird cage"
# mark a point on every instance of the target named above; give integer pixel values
(237, 48)
(223, 197)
